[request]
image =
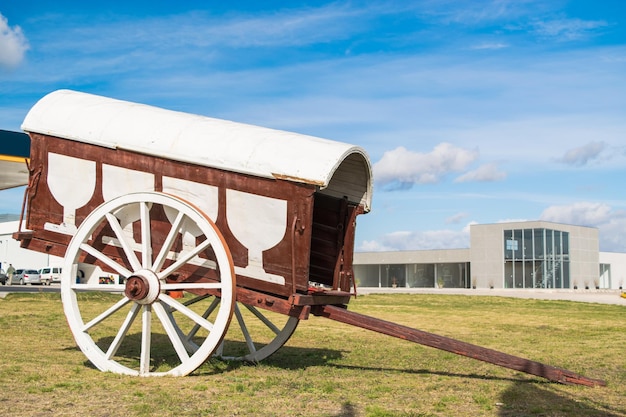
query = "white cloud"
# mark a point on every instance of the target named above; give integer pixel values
(374, 246)
(456, 218)
(611, 223)
(201, 30)
(290, 27)
(581, 213)
(567, 29)
(583, 154)
(484, 173)
(476, 13)
(404, 168)
(613, 234)
(490, 45)
(13, 44)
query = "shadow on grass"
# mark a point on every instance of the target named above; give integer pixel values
(164, 356)
(288, 358)
(347, 410)
(439, 373)
(293, 358)
(522, 399)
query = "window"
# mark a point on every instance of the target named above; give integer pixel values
(605, 276)
(367, 275)
(536, 258)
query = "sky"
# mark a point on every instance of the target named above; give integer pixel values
(477, 111)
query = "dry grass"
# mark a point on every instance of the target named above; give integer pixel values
(331, 369)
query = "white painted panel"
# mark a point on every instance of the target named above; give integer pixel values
(72, 182)
(203, 196)
(118, 181)
(259, 223)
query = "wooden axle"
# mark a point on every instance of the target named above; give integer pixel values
(563, 376)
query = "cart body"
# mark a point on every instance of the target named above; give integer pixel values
(285, 203)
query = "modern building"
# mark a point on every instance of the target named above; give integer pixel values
(521, 255)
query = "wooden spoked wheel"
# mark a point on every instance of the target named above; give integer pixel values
(141, 329)
(255, 335)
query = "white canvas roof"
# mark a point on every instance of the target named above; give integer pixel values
(336, 168)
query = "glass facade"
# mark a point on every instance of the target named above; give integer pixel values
(431, 275)
(536, 258)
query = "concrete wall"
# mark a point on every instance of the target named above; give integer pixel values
(618, 268)
(584, 255)
(487, 255)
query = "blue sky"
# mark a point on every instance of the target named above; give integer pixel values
(471, 111)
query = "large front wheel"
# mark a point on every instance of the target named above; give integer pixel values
(127, 272)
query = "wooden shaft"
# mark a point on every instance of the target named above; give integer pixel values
(551, 373)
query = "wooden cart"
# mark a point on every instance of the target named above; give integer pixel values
(183, 221)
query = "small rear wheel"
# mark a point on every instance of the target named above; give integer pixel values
(263, 332)
(256, 335)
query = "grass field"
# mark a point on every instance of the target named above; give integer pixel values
(331, 369)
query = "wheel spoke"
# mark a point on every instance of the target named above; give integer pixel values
(128, 321)
(263, 319)
(146, 238)
(195, 317)
(196, 299)
(191, 286)
(102, 257)
(190, 346)
(115, 307)
(207, 313)
(171, 331)
(244, 330)
(191, 301)
(122, 238)
(169, 241)
(146, 335)
(184, 259)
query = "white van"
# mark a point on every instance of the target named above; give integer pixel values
(50, 274)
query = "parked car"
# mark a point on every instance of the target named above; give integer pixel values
(3, 277)
(26, 276)
(50, 274)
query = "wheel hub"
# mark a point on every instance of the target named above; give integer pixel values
(142, 287)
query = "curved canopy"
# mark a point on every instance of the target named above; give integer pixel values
(337, 168)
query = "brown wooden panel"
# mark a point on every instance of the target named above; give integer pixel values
(289, 258)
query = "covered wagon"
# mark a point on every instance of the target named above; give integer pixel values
(153, 204)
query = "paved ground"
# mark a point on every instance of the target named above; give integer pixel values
(586, 296)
